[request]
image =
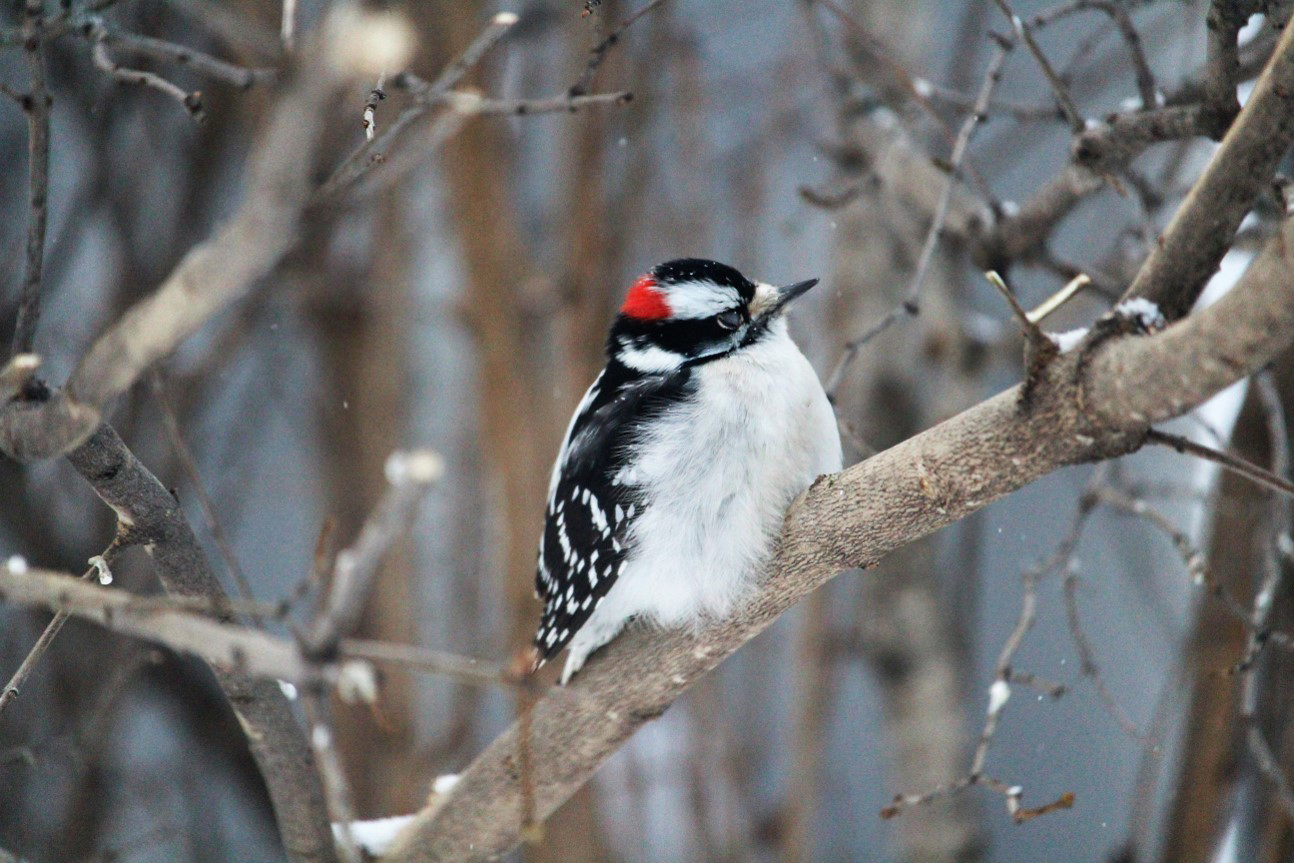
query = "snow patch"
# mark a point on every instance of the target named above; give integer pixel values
(375, 836)
(998, 694)
(1069, 339)
(1143, 311)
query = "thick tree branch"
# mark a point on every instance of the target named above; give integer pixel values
(1203, 227)
(151, 516)
(853, 519)
(1207, 220)
(1150, 381)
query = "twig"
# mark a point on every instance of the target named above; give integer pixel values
(371, 153)
(98, 35)
(918, 90)
(1264, 601)
(37, 106)
(1000, 690)
(228, 646)
(600, 51)
(410, 474)
(1012, 793)
(1040, 350)
(58, 24)
(1058, 299)
(14, 687)
(336, 789)
(522, 107)
(458, 67)
(1087, 659)
(462, 105)
(911, 302)
(1123, 23)
(241, 77)
(1235, 464)
(1058, 86)
(464, 669)
(1049, 688)
(377, 94)
(1193, 558)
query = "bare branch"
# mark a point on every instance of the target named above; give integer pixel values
(14, 687)
(1235, 464)
(911, 305)
(1123, 22)
(209, 278)
(1058, 87)
(340, 809)
(410, 474)
(852, 519)
(37, 104)
(152, 515)
(1203, 227)
(600, 51)
(192, 102)
(226, 646)
(181, 55)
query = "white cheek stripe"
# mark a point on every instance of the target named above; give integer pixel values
(649, 359)
(699, 299)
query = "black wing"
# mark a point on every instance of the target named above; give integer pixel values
(594, 500)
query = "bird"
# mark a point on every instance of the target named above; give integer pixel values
(680, 461)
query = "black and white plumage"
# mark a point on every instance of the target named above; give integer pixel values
(681, 459)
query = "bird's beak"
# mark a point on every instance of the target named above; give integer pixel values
(769, 301)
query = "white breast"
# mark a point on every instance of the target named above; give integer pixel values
(720, 471)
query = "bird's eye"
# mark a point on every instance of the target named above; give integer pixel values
(730, 319)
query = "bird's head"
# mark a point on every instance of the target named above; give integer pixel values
(690, 310)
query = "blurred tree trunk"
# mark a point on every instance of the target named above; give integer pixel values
(918, 372)
(1215, 764)
(361, 316)
(519, 371)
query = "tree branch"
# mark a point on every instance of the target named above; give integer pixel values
(152, 516)
(212, 275)
(37, 104)
(1080, 412)
(1203, 227)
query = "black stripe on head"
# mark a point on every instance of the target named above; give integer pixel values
(700, 270)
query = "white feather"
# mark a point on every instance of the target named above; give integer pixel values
(719, 471)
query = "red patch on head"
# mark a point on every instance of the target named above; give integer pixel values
(646, 301)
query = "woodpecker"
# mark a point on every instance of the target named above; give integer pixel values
(680, 461)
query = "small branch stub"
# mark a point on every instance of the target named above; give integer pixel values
(1039, 349)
